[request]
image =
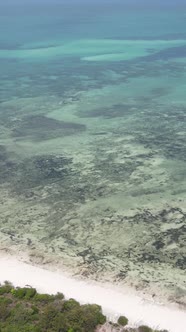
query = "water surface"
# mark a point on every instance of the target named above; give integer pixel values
(93, 141)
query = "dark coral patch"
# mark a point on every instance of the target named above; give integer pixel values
(115, 111)
(42, 170)
(41, 128)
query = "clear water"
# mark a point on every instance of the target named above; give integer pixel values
(93, 141)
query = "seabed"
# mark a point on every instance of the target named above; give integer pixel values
(93, 159)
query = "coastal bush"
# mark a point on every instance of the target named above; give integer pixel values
(144, 328)
(19, 292)
(25, 292)
(122, 320)
(70, 305)
(5, 300)
(24, 328)
(30, 292)
(59, 296)
(93, 314)
(79, 318)
(21, 314)
(6, 288)
(45, 298)
(4, 310)
(35, 309)
(48, 317)
(23, 310)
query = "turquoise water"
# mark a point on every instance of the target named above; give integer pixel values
(93, 141)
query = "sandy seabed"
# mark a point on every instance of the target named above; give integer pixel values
(113, 300)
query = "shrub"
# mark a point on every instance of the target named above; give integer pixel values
(122, 320)
(20, 314)
(48, 317)
(144, 328)
(30, 292)
(70, 304)
(5, 300)
(6, 288)
(19, 292)
(59, 296)
(45, 298)
(92, 316)
(61, 323)
(4, 311)
(35, 309)
(18, 328)
(25, 292)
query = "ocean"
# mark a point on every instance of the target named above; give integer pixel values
(93, 140)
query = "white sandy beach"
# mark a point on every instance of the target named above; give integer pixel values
(113, 301)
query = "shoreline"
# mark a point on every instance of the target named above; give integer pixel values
(113, 300)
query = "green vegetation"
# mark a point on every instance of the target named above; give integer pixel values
(24, 310)
(145, 328)
(122, 320)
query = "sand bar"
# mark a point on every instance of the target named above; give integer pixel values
(113, 301)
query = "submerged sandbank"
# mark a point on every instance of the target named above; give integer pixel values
(113, 301)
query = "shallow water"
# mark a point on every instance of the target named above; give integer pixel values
(93, 141)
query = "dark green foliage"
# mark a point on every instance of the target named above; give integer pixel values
(144, 328)
(77, 318)
(6, 300)
(25, 292)
(93, 314)
(6, 288)
(45, 298)
(24, 310)
(48, 317)
(14, 328)
(20, 293)
(59, 296)
(122, 320)
(71, 304)
(30, 292)
(21, 314)
(35, 309)
(4, 308)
